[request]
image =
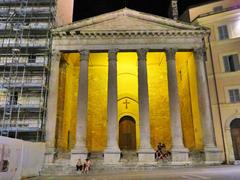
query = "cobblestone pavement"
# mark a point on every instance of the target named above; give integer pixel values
(226, 172)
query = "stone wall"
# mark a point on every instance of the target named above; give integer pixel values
(24, 159)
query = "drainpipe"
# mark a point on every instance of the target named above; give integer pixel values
(218, 102)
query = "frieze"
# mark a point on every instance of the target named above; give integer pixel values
(133, 34)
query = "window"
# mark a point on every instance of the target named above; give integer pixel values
(223, 32)
(231, 63)
(218, 9)
(32, 58)
(234, 95)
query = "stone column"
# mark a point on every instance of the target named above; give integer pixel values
(212, 153)
(80, 150)
(52, 108)
(112, 152)
(179, 152)
(145, 152)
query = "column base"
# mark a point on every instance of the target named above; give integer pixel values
(112, 156)
(146, 156)
(49, 156)
(180, 156)
(78, 154)
(212, 155)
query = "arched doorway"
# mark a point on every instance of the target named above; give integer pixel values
(235, 132)
(127, 133)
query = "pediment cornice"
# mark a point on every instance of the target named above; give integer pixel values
(132, 34)
(128, 23)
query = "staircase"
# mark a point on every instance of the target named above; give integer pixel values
(129, 161)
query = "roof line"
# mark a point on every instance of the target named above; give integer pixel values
(202, 4)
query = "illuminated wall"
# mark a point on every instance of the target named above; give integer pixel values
(158, 99)
(97, 102)
(127, 99)
(186, 75)
(128, 88)
(67, 101)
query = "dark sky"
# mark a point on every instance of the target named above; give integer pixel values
(88, 8)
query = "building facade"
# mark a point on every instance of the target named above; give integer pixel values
(127, 80)
(223, 69)
(25, 54)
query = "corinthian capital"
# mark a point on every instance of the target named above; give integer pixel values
(56, 55)
(200, 53)
(112, 54)
(142, 54)
(84, 55)
(171, 53)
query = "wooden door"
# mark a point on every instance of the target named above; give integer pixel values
(127, 133)
(236, 142)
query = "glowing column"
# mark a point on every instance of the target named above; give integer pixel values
(80, 150)
(212, 153)
(112, 152)
(179, 152)
(52, 107)
(145, 152)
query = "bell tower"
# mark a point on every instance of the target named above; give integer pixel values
(173, 9)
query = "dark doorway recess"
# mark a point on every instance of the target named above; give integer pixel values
(127, 133)
(235, 132)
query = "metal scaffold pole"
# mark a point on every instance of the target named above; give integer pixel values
(24, 66)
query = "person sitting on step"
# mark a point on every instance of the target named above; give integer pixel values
(86, 166)
(164, 152)
(79, 165)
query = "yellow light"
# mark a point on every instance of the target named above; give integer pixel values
(127, 72)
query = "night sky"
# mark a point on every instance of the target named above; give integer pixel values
(88, 8)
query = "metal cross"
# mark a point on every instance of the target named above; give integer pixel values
(126, 102)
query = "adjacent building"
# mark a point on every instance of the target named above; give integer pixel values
(223, 69)
(25, 52)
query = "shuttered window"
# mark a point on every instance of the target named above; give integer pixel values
(223, 32)
(234, 95)
(231, 63)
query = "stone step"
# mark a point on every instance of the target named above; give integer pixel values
(129, 161)
(69, 170)
(236, 162)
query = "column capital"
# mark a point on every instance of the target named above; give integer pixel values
(112, 54)
(170, 53)
(142, 53)
(200, 53)
(84, 55)
(56, 55)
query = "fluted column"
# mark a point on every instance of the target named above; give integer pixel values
(52, 107)
(80, 150)
(179, 152)
(145, 152)
(212, 153)
(112, 152)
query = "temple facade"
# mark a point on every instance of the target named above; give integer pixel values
(125, 81)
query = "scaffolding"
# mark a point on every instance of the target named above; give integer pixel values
(25, 53)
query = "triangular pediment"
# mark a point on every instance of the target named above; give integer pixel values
(126, 20)
(126, 23)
